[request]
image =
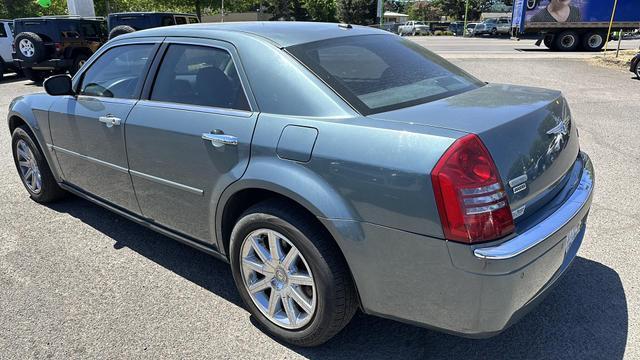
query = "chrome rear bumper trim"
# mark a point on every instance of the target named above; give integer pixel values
(549, 226)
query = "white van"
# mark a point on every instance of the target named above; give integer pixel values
(6, 45)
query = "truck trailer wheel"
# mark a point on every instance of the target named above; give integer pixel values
(567, 41)
(593, 41)
(548, 42)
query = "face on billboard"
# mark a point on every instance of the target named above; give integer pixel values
(556, 11)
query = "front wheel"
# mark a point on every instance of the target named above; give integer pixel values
(638, 69)
(33, 168)
(291, 274)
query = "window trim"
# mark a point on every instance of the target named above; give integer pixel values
(216, 44)
(78, 79)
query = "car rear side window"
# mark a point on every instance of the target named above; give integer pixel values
(199, 75)
(3, 32)
(118, 72)
(377, 73)
(181, 20)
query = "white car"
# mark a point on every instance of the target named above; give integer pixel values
(6, 42)
(414, 28)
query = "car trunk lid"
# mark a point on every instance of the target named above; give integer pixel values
(528, 132)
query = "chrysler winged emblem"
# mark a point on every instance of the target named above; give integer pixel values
(561, 129)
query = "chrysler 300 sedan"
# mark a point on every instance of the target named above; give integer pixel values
(334, 167)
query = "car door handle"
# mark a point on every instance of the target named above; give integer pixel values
(110, 120)
(219, 140)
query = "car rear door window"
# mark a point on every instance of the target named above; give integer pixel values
(118, 73)
(3, 32)
(377, 73)
(199, 75)
(181, 20)
(167, 21)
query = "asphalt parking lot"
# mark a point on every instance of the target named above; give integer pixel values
(78, 281)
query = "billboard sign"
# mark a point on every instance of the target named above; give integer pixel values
(541, 13)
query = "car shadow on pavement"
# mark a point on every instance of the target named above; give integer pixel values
(584, 316)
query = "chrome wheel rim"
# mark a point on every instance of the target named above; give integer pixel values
(26, 48)
(595, 41)
(568, 41)
(278, 279)
(29, 171)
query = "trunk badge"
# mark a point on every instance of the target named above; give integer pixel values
(519, 184)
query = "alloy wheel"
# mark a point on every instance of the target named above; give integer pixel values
(26, 48)
(278, 279)
(29, 171)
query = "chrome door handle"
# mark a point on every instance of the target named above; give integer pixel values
(219, 140)
(110, 120)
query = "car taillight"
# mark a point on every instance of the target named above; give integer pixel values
(58, 47)
(471, 200)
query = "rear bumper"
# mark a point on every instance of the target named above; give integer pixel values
(472, 291)
(51, 64)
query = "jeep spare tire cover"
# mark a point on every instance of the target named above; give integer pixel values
(30, 47)
(120, 30)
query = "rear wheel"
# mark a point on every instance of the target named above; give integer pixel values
(567, 41)
(593, 41)
(548, 42)
(638, 69)
(78, 62)
(37, 76)
(290, 274)
(120, 30)
(33, 169)
(2, 69)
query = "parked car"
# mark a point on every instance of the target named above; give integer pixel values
(635, 65)
(493, 27)
(128, 22)
(335, 167)
(6, 43)
(413, 28)
(55, 44)
(471, 29)
(457, 28)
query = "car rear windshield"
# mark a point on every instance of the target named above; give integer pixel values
(377, 73)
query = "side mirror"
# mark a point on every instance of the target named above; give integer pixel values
(59, 85)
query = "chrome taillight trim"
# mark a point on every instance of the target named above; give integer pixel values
(485, 209)
(484, 199)
(481, 190)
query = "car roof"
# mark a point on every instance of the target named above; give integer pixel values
(281, 33)
(62, 17)
(149, 13)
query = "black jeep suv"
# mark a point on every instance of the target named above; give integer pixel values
(56, 44)
(123, 23)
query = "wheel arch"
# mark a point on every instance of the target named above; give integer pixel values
(235, 202)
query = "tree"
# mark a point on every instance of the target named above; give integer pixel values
(320, 10)
(456, 8)
(361, 12)
(425, 11)
(14, 9)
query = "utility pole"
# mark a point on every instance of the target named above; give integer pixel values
(466, 13)
(613, 15)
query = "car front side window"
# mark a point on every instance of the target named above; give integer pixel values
(118, 72)
(199, 75)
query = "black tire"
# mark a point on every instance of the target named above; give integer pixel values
(548, 42)
(77, 63)
(49, 191)
(36, 43)
(494, 32)
(568, 40)
(2, 69)
(120, 30)
(36, 76)
(593, 40)
(638, 70)
(336, 296)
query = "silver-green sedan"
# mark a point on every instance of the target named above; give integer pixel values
(335, 167)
